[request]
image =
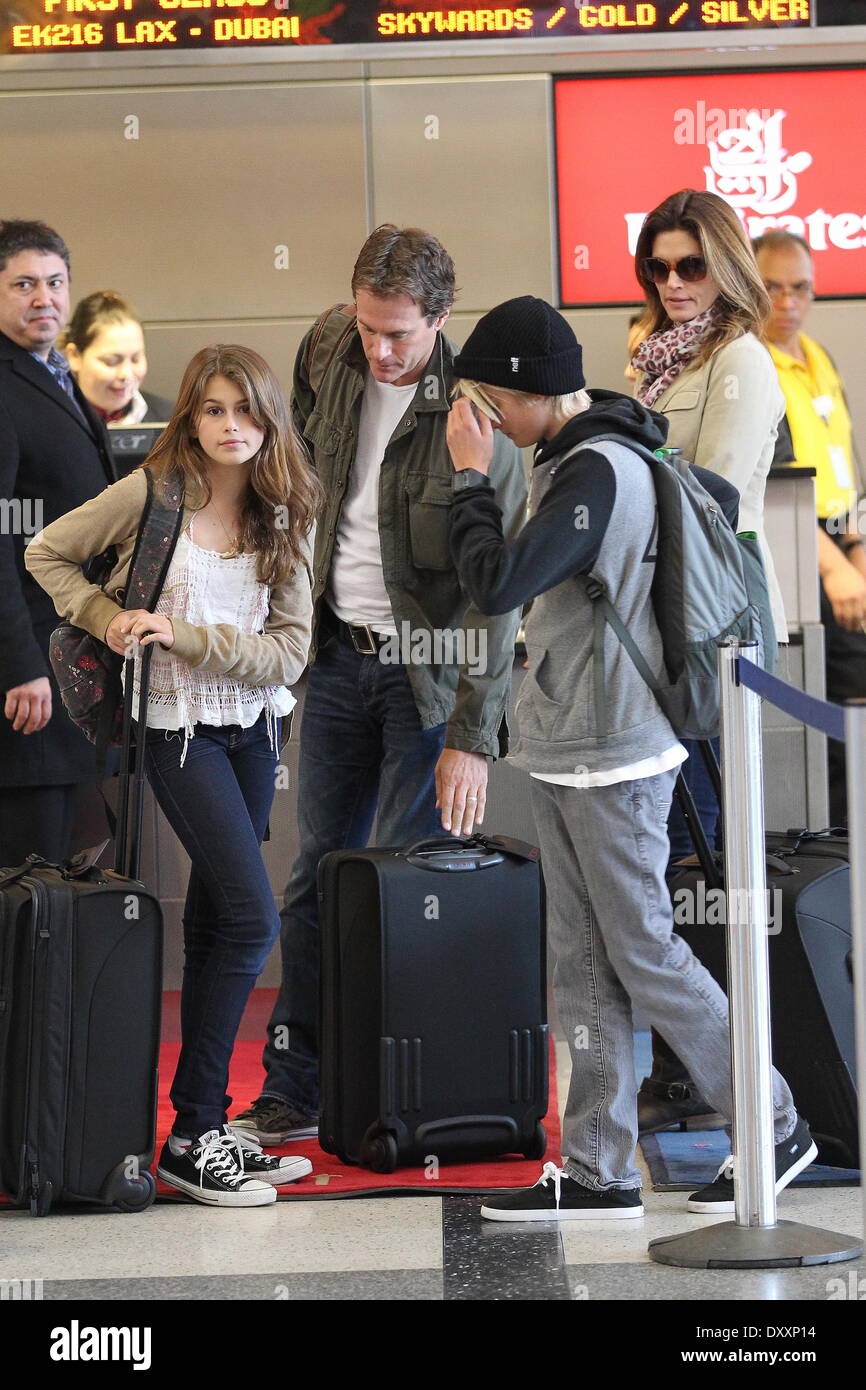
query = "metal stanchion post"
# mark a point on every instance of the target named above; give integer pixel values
(755, 1238)
(855, 760)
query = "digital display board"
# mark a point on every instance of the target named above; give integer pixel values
(58, 26)
(767, 142)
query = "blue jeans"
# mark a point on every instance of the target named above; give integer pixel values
(703, 792)
(218, 805)
(362, 748)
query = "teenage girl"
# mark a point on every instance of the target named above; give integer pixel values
(231, 631)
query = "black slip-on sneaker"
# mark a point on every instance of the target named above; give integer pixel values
(558, 1197)
(208, 1171)
(793, 1155)
(272, 1121)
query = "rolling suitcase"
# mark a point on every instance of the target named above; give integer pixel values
(80, 994)
(811, 970)
(434, 1038)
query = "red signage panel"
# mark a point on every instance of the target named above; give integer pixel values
(786, 149)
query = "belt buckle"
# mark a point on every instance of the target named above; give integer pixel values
(354, 628)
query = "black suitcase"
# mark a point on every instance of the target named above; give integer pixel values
(434, 1039)
(811, 972)
(80, 994)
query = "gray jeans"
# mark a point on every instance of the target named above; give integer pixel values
(610, 929)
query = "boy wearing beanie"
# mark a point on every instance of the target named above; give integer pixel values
(601, 755)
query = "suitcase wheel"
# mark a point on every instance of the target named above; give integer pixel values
(131, 1194)
(537, 1146)
(379, 1152)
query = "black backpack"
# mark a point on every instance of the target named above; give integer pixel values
(87, 671)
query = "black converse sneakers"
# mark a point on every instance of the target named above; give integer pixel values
(208, 1171)
(558, 1197)
(792, 1156)
(271, 1167)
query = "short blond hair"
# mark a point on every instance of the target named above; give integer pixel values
(564, 407)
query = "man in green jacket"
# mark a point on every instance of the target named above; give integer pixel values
(409, 684)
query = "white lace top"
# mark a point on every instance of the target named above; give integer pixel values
(204, 587)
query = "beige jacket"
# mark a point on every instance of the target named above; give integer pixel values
(724, 415)
(55, 556)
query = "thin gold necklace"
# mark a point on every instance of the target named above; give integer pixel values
(233, 551)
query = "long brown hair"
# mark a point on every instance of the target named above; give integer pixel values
(743, 302)
(284, 493)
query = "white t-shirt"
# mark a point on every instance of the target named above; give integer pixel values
(647, 767)
(356, 590)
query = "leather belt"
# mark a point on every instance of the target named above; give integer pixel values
(361, 636)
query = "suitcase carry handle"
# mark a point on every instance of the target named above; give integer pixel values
(448, 854)
(466, 852)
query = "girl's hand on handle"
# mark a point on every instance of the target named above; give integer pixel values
(136, 625)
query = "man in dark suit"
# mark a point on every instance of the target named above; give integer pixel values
(53, 456)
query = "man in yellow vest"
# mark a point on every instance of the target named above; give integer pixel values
(822, 437)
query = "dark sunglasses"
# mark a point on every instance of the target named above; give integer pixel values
(690, 269)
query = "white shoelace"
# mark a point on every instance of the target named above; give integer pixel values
(726, 1170)
(247, 1147)
(216, 1157)
(551, 1171)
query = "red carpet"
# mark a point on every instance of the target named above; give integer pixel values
(329, 1177)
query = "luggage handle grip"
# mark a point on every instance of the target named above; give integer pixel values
(495, 844)
(442, 842)
(483, 854)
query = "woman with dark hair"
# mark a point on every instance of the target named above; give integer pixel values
(232, 628)
(702, 365)
(104, 344)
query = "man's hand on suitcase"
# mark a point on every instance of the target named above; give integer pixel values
(144, 627)
(461, 790)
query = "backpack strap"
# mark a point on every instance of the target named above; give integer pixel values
(317, 364)
(603, 611)
(155, 543)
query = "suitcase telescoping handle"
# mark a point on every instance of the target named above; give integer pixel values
(127, 843)
(452, 853)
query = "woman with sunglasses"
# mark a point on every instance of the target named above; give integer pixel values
(703, 367)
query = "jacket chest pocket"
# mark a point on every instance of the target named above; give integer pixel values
(429, 501)
(326, 438)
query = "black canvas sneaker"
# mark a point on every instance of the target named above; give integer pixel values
(270, 1167)
(208, 1171)
(792, 1156)
(272, 1121)
(558, 1197)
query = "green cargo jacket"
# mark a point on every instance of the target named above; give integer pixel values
(414, 502)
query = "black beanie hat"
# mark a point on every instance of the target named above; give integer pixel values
(525, 345)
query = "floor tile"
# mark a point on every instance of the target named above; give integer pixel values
(492, 1261)
(412, 1285)
(177, 1240)
(648, 1283)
